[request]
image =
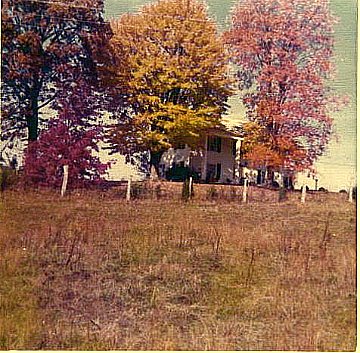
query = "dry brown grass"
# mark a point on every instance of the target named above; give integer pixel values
(93, 272)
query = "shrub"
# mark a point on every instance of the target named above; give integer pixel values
(139, 190)
(64, 143)
(275, 184)
(8, 178)
(212, 194)
(157, 191)
(282, 194)
(233, 194)
(180, 173)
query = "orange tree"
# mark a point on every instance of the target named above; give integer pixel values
(283, 51)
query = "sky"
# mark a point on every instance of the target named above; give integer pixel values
(337, 167)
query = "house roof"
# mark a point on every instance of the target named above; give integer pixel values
(222, 131)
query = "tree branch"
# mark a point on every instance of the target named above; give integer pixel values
(48, 101)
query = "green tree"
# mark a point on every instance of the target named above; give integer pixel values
(173, 66)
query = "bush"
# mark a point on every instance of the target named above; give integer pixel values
(139, 190)
(233, 194)
(179, 173)
(282, 194)
(275, 184)
(212, 194)
(157, 191)
(8, 178)
(62, 144)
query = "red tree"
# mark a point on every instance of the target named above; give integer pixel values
(283, 50)
(70, 139)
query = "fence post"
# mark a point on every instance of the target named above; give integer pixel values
(190, 186)
(128, 190)
(65, 179)
(244, 196)
(282, 194)
(303, 193)
(350, 194)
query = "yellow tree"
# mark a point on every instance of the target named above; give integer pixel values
(175, 75)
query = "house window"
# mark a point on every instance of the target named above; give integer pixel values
(218, 172)
(214, 144)
(233, 148)
(180, 146)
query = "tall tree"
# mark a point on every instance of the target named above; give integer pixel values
(46, 46)
(283, 50)
(175, 73)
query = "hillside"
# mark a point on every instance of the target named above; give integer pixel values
(91, 271)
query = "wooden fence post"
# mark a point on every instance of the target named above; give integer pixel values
(244, 195)
(65, 179)
(350, 194)
(303, 193)
(190, 187)
(128, 190)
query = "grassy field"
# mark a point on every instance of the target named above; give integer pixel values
(92, 271)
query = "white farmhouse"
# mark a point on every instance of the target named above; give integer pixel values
(217, 161)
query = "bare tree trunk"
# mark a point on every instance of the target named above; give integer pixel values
(32, 113)
(32, 119)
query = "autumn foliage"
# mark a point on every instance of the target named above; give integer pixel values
(163, 75)
(173, 66)
(62, 145)
(71, 139)
(45, 46)
(283, 51)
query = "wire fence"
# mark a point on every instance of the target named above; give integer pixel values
(219, 193)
